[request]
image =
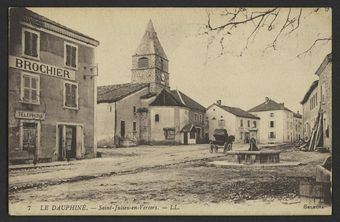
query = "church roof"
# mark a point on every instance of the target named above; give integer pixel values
(165, 98)
(237, 112)
(150, 43)
(269, 105)
(113, 93)
(189, 102)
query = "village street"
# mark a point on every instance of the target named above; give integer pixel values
(161, 175)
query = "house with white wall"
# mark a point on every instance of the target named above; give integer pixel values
(277, 122)
(239, 123)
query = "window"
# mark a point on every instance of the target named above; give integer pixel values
(157, 118)
(70, 95)
(271, 124)
(143, 62)
(241, 122)
(134, 109)
(195, 117)
(254, 124)
(221, 123)
(271, 114)
(30, 88)
(241, 135)
(200, 118)
(30, 43)
(71, 55)
(169, 134)
(29, 136)
(248, 123)
(134, 126)
(272, 135)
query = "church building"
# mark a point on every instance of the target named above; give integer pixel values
(146, 110)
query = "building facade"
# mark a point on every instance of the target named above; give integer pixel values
(146, 110)
(239, 123)
(324, 72)
(277, 122)
(51, 90)
(298, 127)
(310, 109)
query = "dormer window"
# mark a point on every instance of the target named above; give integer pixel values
(143, 62)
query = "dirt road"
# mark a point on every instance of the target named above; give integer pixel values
(165, 177)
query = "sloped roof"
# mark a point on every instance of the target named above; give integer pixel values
(165, 98)
(297, 115)
(188, 128)
(309, 92)
(268, 106)
(237, 112)
(41, 21)
(327, 59)
(189, 102)
(113, 93)
(150, 43)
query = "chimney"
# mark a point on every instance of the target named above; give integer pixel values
(219, 102)
(266, 99)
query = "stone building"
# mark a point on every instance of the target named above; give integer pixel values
(146, 110)
(298, 126)
(318, 101)
(51, 89)
(242, 124)
(277, 122)
(310, 109)
(324, 72)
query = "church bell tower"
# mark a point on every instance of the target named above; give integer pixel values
(150, 63)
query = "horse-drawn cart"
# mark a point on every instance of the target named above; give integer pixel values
(221, 139)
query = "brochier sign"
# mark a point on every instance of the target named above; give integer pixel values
(41, 68)
(29, 115)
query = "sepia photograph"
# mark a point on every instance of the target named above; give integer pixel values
(169, 111)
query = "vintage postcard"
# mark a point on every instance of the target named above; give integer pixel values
(169, 111)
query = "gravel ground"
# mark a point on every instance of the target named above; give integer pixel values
(181, 179)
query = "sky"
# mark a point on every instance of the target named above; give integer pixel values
(200, 71)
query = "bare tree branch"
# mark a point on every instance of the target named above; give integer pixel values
(313, 45)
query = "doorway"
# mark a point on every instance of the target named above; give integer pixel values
(69, 141)
(185, 138)
(122, 129)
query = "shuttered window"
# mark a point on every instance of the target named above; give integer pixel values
(70, 95)
(31, 43)
(71, 55)
(30, 87)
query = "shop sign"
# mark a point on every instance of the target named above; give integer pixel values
(41, 68)
(29, 115)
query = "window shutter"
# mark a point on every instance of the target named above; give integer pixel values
(27, 43)
(34, 45)
(68, 52)
(67, 92)
(73, 56)
(73, 95)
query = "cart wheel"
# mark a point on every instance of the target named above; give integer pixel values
(211, 147)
